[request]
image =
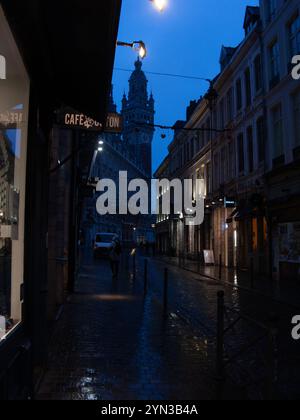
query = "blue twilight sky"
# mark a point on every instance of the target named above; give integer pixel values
(185, 39)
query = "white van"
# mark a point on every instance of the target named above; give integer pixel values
(103, 244)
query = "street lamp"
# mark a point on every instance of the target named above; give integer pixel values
(159, 4)
(138, 46)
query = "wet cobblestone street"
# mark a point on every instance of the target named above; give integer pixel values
(111, 343)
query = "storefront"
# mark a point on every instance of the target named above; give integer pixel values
(286, 239)
(14, 103)
(284, 222)
(36, 78)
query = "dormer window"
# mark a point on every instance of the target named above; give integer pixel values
(251, 19)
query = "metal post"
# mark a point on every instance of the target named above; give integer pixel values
(273, 349)
(134, 265)
(220, 266)
(166, 287)
(220, 345)
(252, 272)
(145, 277)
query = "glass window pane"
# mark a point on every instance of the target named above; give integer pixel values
(14, 97)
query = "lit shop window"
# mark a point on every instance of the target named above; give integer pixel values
(14, 97)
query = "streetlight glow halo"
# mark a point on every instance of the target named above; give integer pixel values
(160, 5)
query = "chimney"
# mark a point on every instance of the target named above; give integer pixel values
(190, 109)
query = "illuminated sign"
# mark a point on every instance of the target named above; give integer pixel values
(114, 123)
(229, 203)
(2, 67)
(80, 121)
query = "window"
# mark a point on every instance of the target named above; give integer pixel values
(248, 87)
(274, 57)
(223, 164)
(271, 9)
(231, 161)
(202, 136)
(14, 102)
(216, 171)
(296, 111)
(222, 114)
(230, 110)
(261, 143)
(208, 131)
(258, 73)
(294, 37)
(208, 178)
(197, 142)
(239, 98)
(192, 148)
(250, 149)
(277, 123)
(241, 155)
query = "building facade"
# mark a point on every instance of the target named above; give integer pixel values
(244, 146)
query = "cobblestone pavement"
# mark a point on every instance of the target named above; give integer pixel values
(194, 297)
(113, 343)
(286, 291)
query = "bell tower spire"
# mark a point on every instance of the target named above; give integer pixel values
(138, 115)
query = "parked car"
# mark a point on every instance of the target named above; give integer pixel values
(103, 244)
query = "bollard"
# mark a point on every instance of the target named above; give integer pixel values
(145, 277)
(220, 345)
(134, 265)
(220, 266)
(252, 273)
(166, 287)
(274, 355)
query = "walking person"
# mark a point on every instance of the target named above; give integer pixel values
(114, 256)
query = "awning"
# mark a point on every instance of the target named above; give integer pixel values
(68, 47)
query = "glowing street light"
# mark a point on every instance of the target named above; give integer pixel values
(160, 4)
(138, 46)
(101, 142)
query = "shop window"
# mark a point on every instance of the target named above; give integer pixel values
(14, 97)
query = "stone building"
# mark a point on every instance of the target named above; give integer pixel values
(250, 160)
